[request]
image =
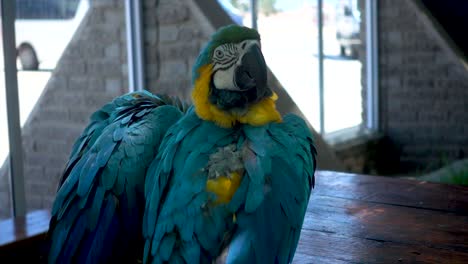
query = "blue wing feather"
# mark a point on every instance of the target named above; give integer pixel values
(98, 207)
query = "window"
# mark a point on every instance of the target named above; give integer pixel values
(4, 146)
(291, 34)
(342, 60)
(46, 9)
(43, 29)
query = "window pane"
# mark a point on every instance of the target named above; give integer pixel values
(44, 28)
(342, 64)
(5, 211)
(46, 9)
(57, 100)
(289, 43)
(48, 65)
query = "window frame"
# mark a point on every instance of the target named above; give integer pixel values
(7, 9)
(371, 122)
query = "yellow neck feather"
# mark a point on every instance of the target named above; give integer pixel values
(258, 114)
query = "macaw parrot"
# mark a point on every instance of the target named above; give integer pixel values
(227, 180)
(232, 178)
(98, 209)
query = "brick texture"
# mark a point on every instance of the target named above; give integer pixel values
(172, 40)
(423, 89)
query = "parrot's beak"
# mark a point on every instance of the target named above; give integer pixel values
(252, 72)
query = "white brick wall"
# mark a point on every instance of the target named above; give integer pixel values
(173, 38)
(424, 90)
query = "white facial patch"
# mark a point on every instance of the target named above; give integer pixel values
(226, 58)
(224, 79)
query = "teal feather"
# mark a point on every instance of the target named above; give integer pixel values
(258, 139)
(254, 197)
(118, 134)
(127, 119)
(67, 187)
(240, 250)
(130, 194)
(65, 206)
(130, 150)
(239, 197)
(190, 251)
(59, 238)
(167, 245)
(256, 175)
(289, 147)
(119, 185)
(80, 145)
(77, 232)
(102, 184)
(146, 249)
(186, 229)
(83, 199)
(176, 259)
(153, 199)
(93, 213)
(150, 181)
(102, 231)
(104, 154)
(90, 168)
(168, 158)
(142, 113)
(109, 174)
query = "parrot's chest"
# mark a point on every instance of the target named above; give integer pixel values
(225, 170)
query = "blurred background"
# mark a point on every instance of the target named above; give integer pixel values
(383, 85)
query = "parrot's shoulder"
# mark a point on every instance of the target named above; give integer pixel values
(291, 132)
(295, 136)
(294, 125)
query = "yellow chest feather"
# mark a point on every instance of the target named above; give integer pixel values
(224, 187)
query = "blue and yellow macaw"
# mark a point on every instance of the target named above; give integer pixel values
(232, 178)
(227, 180)
(98, 209)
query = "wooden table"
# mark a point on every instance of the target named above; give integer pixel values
(22, 238)
(350, 219)
(371, 219)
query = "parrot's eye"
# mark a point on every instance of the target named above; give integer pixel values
(219, 54)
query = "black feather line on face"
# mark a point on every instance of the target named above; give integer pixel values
(226, 63)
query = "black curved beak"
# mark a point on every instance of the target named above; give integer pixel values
(252, 73)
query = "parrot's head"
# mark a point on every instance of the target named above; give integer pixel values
(230, 80)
